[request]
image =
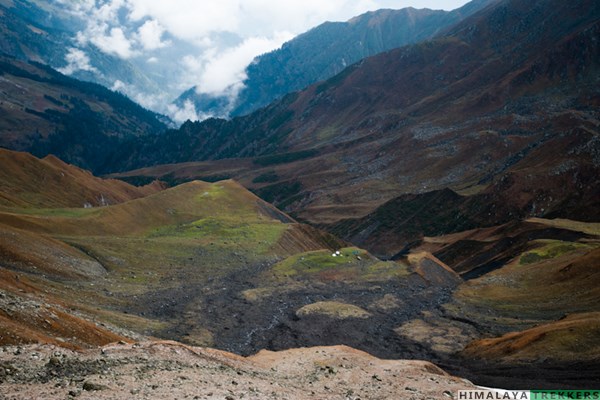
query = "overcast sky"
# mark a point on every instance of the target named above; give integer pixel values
(220, 37)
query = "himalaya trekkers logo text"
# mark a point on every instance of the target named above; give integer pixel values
(499, 394)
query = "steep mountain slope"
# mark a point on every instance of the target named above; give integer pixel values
(46, 112)
(527, 346)
(325, 51)
(27, 317)
(504, 104)
(563, 186)
(568, 342)
(36, 31)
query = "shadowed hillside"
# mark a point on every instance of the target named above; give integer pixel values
(532, 291)
(45, 112)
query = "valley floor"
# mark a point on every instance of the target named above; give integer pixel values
(212, 265)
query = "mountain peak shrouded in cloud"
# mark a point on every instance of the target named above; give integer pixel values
(206, 45)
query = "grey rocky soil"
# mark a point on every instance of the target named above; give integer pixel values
(170, 370)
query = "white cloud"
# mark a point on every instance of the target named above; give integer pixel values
(223, 69)
(118, 86)
(150, 35)
(195, 20)
(113, 42)
(149, 101)
(189, 19)
(295, 15)
(80, 7)
(188, 111)
(77, 60)
(104, 28)
(108, 10)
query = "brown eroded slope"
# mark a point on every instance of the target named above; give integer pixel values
(522, 273)
(565, 351)
(29, 182)
(29, 314)
(549, 279)
(574, 337)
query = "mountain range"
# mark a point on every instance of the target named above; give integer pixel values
(325, 51)
(436, 201)
(487, 109)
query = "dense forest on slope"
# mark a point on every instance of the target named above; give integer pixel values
(83, 123)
